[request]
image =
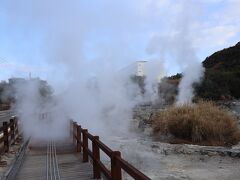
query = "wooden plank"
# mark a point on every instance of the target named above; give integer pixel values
(71, 167)
(70, 164)
(33, 167)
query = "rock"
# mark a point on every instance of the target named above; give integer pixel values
(212, 154)
(141, 125)
(155, 146)
(235, 154)
(165, 152)
(202, 152)
(227, 153)
(147, 130)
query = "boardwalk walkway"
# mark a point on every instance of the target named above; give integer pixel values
(64, 159)
(69, 163)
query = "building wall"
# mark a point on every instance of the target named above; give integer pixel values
(140, 70)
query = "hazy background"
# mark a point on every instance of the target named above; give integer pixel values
(40, 36)
(81, 46)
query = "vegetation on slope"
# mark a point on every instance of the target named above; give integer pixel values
(221, 78)
(222, 75)
(8, 90)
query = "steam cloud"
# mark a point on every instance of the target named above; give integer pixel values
(86, 45)
(84, 67)
(178, 45)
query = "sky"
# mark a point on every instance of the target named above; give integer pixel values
(40, 36)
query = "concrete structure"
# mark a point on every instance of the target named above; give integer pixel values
(140, 68)
(137, 68)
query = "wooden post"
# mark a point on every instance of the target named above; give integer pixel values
(96, 158)
(78, 138)
(16, 125)
(12, 128)
(5, 136)
(73, 133)
(116, 172)
(85, 145)
(70, 128)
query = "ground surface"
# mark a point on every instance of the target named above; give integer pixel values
(161, 161)
(167, 161)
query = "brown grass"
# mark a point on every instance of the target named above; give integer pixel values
(201, 123)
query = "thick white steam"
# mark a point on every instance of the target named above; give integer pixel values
(192, 74)
(177, 47)
(85, 46)
(38, 116)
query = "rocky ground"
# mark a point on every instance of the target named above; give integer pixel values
(161, 160)
(164, 161)
(234, 107)
(167, 161)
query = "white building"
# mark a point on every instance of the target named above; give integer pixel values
(140, 68)
(152, 69)
(145, 68)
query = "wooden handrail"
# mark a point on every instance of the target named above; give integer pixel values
(8, 134)
(104, 148)
(132, 171)
(4, 107)
(81, 138)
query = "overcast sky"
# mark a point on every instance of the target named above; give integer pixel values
(40, 36)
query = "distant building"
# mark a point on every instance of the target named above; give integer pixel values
(144, 73)
(16, 80)
(140, 68)
(143, 68)
(135, 69)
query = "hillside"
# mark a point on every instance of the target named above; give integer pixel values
(221, 78)
(222, 75)
(226, 59)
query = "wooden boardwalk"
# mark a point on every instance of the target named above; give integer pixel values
(52, 160)
(34, 166)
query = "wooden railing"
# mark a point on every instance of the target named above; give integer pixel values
(8, 134)
(81, 138)
(5, 114)
(4, 107)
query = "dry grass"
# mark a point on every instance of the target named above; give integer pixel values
(202, 123)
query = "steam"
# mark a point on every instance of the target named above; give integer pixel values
(155, 71)
(192, 74)
(177, 45)
(84, 66)
(85, 45)
(38, 117)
